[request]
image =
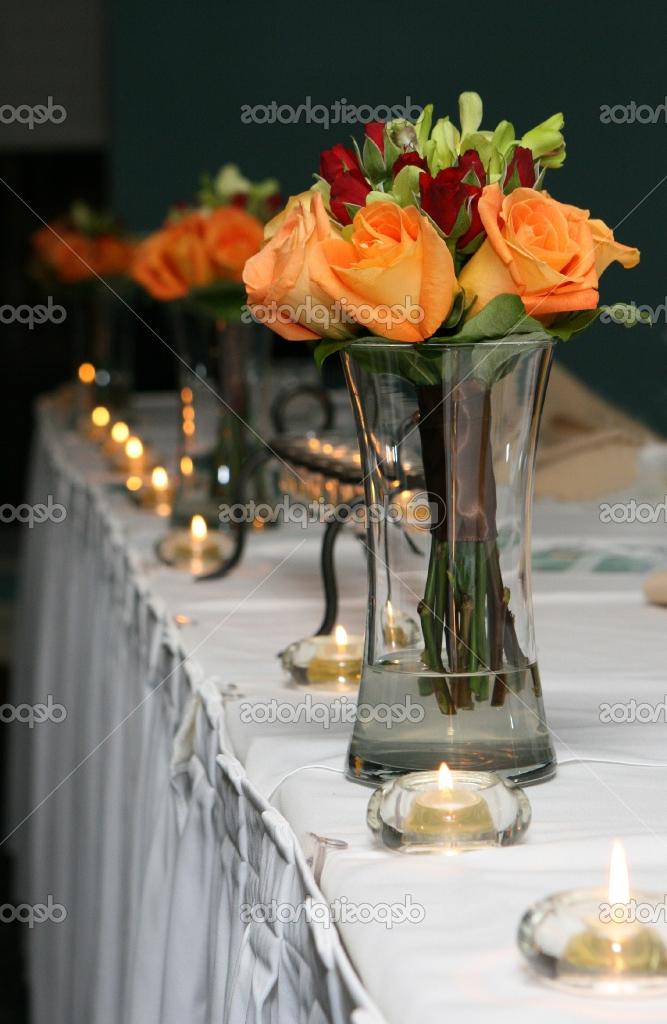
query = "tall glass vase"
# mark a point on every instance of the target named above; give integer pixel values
(223, 377)
(448, 434)
(103, 335)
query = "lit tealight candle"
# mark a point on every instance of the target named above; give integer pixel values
(119, 432)
(100, 418)
(449, 809)
(617, 943)
(194, 550)
(160, 493)
(336, 659)
(134, 450)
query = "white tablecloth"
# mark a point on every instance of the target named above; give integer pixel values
(145, 814)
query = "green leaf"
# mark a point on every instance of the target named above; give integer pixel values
(546, 141)
(470, 112)
(410, 362)
(443, 146)
(503, 316)
(406, 185)
(567, 325)
(220, 302)
(373, 162)
(326, 348)
(503, 137)
(423, 127)
(391, 153)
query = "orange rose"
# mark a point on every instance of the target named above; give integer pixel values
(73, 256)
(395, 274)
(175, 259)
(276, 222)
(232, 236)
(281, 290)
(542, 250)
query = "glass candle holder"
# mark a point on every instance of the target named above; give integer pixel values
(155, 492)
(195, 550)
(332, 660)
(607, 942)
(447, 812)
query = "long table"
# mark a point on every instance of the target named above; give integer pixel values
(161, 814)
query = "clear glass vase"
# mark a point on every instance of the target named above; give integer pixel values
(103, 335)
(223, 391)
(448, 434)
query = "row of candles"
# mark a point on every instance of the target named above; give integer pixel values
(563, 937)
(330, 660)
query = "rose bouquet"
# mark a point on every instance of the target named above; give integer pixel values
(85, 256)
(432, 257)
(198, 255)
(80, 248)
(193, 266)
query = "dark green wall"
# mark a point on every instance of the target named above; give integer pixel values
(182, 71)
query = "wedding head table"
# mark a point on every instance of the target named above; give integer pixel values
(186, 827)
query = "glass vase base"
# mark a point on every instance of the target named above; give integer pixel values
(472, 758)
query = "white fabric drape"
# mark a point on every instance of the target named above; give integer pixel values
(144, 825)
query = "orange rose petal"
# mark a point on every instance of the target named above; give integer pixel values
(607, 250)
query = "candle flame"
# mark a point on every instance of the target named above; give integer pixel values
(160, 478)
(120, 432)
(619, 881)
(134, 449)
(133, 483)
(187, 466)
(100, 416)
(198, 528)
(390, 612)
(186, 395)
(341, 636)
(445, 780)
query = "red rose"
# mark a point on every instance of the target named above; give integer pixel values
(348, 187)
(443, 196)
(375, 132)
(335, 161)
(522, 163)
(408, 160)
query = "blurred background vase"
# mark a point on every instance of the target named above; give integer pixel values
(223, 375)
(448, 438)
(103, 336)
